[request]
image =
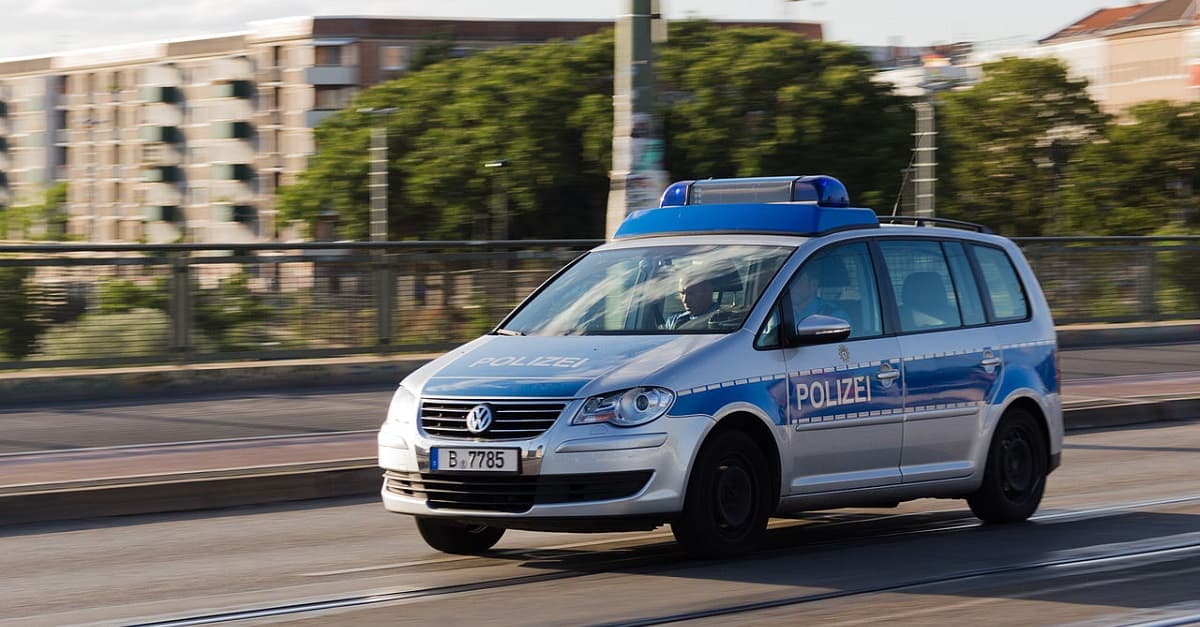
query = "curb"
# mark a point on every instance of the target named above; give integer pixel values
(1105, 335)
(33, 386)
(362, 477)
(156, 497)
(176, 380)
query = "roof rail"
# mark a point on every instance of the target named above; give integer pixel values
(923, 221)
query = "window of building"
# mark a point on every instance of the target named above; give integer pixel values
(332, 97)
(328, 55)
(393, 57)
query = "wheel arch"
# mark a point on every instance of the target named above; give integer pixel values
(755, 427)
(1033, 408)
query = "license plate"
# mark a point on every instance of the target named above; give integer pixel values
(447, 459)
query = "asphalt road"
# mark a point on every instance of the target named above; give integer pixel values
(82, 424)
(1117, 541)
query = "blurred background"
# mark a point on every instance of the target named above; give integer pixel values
(212, 195)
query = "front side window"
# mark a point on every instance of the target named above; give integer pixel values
(838, 282)
(921, 282)
(652, 290)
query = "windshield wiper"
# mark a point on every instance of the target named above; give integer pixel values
(507, 332)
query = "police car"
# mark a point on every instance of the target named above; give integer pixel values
(751, 347)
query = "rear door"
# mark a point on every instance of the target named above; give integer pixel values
(950, 362)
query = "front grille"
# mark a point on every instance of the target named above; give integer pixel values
(514, 493)
(510, 420)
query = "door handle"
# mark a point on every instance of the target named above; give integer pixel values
(990, 361)
(887, 375)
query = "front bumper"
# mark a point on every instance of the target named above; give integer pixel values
(568, 472)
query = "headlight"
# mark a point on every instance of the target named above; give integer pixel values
(403, 409)
(627, 408)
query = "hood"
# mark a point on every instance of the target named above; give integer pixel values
(552, 366)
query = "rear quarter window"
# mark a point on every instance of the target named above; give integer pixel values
(1001, 284)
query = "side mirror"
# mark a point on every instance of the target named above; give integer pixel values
(818, 329)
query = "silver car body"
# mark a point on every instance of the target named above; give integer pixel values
(902, 416)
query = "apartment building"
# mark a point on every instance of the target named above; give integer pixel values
(189, 140)
(1135, 53)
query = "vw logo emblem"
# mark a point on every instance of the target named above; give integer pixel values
(479, 419)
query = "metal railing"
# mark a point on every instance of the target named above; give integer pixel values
(1117, 279)
(77, 304)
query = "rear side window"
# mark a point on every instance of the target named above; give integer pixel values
(921, 281)
(1002, 286)
(964, 283)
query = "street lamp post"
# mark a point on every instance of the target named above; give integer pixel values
(378, 181)
(499, 200)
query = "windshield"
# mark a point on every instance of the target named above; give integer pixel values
(652, 290)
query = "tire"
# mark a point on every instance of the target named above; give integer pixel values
(727, 503)
(451, 537)
(1015, 476)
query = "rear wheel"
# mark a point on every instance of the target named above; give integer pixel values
(1015, 476)
(451, 537)
(728, 503)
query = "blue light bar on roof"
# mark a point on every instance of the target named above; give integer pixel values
(765, 218)
(825, 191)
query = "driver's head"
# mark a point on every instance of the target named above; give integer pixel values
(696, 293)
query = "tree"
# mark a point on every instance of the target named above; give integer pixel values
(1141, 177)
(534, 106)
(737, 102)
(49, 214)
(437, 47)
(754, 102)
(1004, 143)
(18, 326)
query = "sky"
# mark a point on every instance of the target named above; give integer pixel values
(42, 27)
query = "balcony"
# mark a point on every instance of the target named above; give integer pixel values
(272, 117)
(232, 130)
(224, 212)
(235, 88)
(161, 93)
(269, 75)
(161, 134)
(232, 172)
(161, 154)
(162, 174)
(331, 75)
(162, 213)
(313, 117)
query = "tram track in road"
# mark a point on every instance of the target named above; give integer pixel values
(648, 554)
(1192, 548)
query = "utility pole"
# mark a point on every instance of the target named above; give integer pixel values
(637, 178)
(925, 159)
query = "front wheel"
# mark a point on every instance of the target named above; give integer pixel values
(451, 537)
(728, 503)
(1015, 476)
